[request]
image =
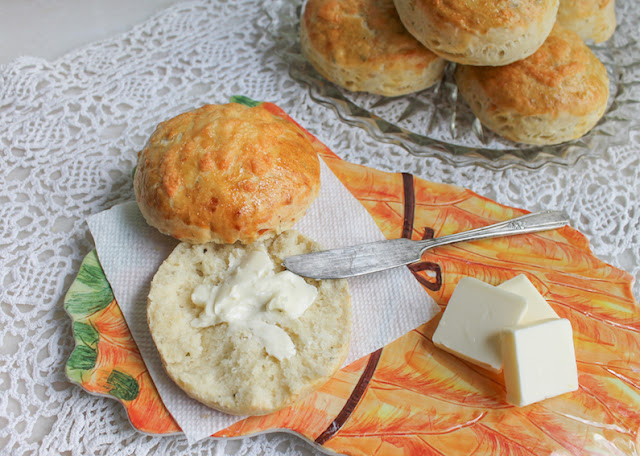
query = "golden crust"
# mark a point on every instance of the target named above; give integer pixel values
(226, 173)
(479, 32)
(591, 19)
(562, 76)
(479, 16)
(362, 45)
(562, 82)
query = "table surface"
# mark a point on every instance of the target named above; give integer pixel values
(49, 29)
(63, 161)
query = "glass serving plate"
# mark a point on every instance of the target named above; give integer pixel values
(436, 122)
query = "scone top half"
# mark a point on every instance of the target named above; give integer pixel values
(226, 173)
(479, 32)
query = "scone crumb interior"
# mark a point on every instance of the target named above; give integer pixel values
(229, 369)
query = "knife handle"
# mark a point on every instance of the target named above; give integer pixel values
(530, 223)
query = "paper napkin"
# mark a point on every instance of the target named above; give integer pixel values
(386, 305)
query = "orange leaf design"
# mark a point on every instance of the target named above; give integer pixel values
(113, 330)
(309, 416)
(116, 349)
(411, 398)
(117, 352)
(147, 412)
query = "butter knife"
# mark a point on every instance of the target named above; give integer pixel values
(378, 256)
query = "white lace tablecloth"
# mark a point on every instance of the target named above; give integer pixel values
(70, 131)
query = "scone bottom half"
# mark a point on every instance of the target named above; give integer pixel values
(226, 173)
(226, 367)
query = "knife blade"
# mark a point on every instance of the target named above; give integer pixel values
(381, 255)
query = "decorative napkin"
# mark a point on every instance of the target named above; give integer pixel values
(386, 305)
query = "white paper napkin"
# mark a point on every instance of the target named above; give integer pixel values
(386, 305)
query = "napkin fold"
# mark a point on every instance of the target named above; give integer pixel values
(385, 305)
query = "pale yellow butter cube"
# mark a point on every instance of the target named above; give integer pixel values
(474, 319)
(539, 361)
(538, 309)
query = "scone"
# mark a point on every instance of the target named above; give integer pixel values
(557, 94)
(591, 19)
(237, 358)
(479, 32)
(226, 173)
(361, 45)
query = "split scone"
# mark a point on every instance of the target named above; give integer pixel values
(479, 32)
(226, 173)
(591, 19)
(238, 333)
(361, 45)
(557, 94)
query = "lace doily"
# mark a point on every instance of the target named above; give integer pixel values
(71, 129)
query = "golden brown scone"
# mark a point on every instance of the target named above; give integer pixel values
(479, 32)
(225, 366)
(555, 95)
(362, 45)
(226, 173)
(591, 19)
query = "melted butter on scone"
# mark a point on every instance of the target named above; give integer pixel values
(253, 296)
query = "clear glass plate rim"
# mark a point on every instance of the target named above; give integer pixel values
(283, 24)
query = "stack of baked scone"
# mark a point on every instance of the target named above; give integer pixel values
(522, 66)
(233, 329)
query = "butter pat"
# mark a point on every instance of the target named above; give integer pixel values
(253, 296)
(539, 361)
(474, 319)
(538, 309)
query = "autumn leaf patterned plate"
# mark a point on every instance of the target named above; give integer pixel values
(409, 397)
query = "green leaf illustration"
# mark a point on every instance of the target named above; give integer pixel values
(123, 386)
(85, 334)
(90, 292)
(82, 358)
(241, 99)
